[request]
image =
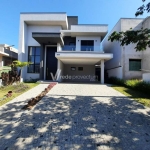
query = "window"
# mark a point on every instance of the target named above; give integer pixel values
(72, 46)
(80, 68)
(73, 68)
(134, 64)
(87, 45)
(34, 57)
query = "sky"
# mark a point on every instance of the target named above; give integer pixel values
(88, 12)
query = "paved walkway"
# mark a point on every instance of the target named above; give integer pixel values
(75, 117)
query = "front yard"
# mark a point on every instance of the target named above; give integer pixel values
(16, 91)
(134, 94)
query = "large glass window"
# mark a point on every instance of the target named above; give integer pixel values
(134, 64)
(87, 45)
(34, 58)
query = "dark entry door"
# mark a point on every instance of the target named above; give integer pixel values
(97, 73)
(51, 62)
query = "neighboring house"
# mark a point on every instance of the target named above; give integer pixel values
(53, 41)
(7, 55)
(127, 63)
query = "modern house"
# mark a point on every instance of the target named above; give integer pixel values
(127, 63)
(7, 55)
(55, 42)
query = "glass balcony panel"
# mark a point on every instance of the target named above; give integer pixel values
(69, 48)
(82, 48)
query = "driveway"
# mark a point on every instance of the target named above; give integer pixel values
(76, 117)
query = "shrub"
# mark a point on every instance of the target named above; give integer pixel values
(134, 84)
(139, 85)
(117, 81)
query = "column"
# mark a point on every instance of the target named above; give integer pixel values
(102, 71)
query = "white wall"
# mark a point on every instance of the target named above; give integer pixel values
(146, 77)
(123, 54)
(89, 28)
(60, 66)
(1, 63)
(116, 72)
(129, 52)
(87, 70)
(97, 41)
(146, 53)
(113, 47)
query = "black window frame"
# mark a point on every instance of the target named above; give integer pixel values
(131, 68)
(34, 55)
(80, 68)
(72, 68)
(87, 45)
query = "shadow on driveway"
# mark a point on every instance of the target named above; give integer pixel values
(76, 122)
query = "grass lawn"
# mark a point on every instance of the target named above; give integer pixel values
(16, 91)
(136, 95)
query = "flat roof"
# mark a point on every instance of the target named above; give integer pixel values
(43, 13)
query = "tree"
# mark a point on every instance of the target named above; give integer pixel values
(139, 37)
(143, 8)
(20, 64)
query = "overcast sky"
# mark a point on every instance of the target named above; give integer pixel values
(88, 12)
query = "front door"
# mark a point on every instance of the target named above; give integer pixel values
(51, 62)
(97, 73)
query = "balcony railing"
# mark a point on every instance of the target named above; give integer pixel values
(82, 48)
(68, 48)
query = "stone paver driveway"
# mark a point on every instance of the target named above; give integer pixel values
(76, 117)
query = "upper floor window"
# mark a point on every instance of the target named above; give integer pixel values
(34, 57)
(87, 45)
(134, 64)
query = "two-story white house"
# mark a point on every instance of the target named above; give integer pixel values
(55, 41)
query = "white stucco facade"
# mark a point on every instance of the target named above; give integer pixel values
(54, 28)
(119, 65)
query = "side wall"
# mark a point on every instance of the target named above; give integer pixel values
(1, 63)
(87, 70)
(115, 49)
(146, 53)
(121, 55)
(128, 52)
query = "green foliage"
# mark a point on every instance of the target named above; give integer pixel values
(4, 69)
(116, 81)
(143, 8)
(139, 37)
(138, 85)
(20, 64)
(134, 84)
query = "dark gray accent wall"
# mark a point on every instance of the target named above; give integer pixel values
(69, 39)
(72, 20)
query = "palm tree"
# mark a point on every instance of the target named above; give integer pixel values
(21, 65)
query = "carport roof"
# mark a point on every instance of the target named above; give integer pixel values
(87, 58)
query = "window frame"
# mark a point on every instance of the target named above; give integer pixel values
(79, 69)
(33, 64)
(131, 60)
(74, 68)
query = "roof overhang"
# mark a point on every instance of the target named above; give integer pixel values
(45, 19)
(86, 58)
(47, 38)
(86, 30)
(3, 54)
